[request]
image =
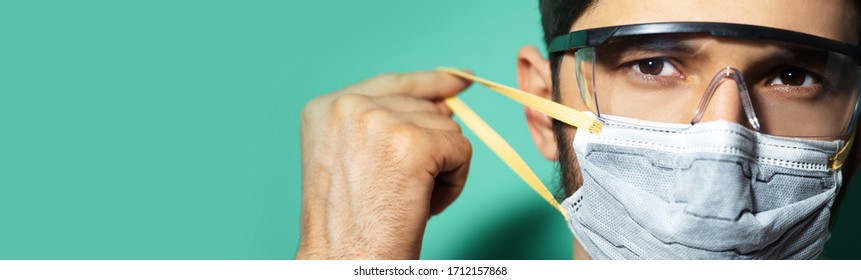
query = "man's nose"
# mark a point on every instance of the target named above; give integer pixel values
(725, 103)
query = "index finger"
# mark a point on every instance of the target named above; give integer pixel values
(429, 85)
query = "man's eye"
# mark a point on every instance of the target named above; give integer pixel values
(656, 67)
(793, 77)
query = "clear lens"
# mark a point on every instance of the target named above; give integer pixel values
(793, 90)
(584, 61)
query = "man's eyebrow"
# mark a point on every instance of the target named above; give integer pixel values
(615, 49)
(832, 68)
(797, 55)
(647, 43)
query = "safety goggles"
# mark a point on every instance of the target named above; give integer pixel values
(779, 82)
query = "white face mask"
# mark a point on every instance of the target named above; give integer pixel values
(716, 190)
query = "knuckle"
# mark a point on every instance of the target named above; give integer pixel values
(405, 138)
(313, 108)
(376, 117)
(347, 102)
(467, 146)
(455, 126)
(463, 144)
(446, 124)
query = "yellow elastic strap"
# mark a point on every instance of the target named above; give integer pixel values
(552, 109)
(500, 146)
(502, 149)
(836, 161)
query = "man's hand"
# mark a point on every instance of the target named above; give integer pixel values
(378, 159)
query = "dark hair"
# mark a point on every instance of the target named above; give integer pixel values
(557, 16)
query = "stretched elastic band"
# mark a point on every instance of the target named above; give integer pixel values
(502, 149)
(552, 109)
(836, 161)
(499, 146)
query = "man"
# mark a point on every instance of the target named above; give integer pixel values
(733, 100)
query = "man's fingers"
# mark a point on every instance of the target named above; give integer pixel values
(443, 108)
(429, 85)
(453, 157)
(447, 187)
(453, 151)
(432, 121)
(407, 104)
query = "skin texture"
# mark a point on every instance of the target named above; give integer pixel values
(378, 159)
(830, 21)
(382, 156)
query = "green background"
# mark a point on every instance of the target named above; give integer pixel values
(170, 129)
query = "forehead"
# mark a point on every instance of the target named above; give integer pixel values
(833, 19)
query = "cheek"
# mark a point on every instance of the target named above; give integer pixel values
(569, 91)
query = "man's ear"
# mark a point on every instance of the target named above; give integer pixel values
(533, 76)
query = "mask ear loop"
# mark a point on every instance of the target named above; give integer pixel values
(499, 146)
(836, 162)
(551, 109)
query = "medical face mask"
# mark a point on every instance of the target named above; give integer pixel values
(714, 190)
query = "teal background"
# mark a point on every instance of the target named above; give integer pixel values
(170, 129)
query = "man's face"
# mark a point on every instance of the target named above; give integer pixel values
(837, 21)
